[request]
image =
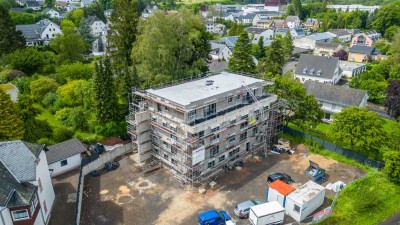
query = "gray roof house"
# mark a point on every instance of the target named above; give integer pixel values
(334, 98)
(64, 156)
(318, 68)
(40, 32)
(229, 41)
(24, 179)
(33, 5)
(326, 48)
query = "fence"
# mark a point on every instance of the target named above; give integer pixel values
(334, 148)
(91, 163)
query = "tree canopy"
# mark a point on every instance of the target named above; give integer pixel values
(358, 129)
(242, 60)
(170, 47)
(387, 16)
(10, 38)
(392, 102)
(11, 124)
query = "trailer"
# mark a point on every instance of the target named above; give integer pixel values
(267, 214)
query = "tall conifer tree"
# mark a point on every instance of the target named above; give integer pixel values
(11, 125)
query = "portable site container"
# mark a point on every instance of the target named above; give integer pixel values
(278, 191)
(267, 214)
(304, 200)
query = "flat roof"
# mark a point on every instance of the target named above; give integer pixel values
(267, 208)
(347, 65)
(192, 91)
(306, 192)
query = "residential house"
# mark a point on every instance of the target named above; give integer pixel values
(293, 22)
(353, 7)
(297, 33)
(256, 33)
(220, 51)
(279, 23)
(21, 2)
(362, 39)
(323, 69)
(149, 10)
(69, 7)
(52, 13)
(248, 18)
(335, 98)
(281, 31)
(11, 90)
(34, 5)
(308, 42)
(311, 24)
(343, 35)
(86, 3)
(64, 156)
(39, 33)
(96, 25)
(373, 35)
(215, 28)
(26, 192)
(268, 14)
(108, 12)
(352, 69)
(361, 53)
(264, 23)
(229, 41)
(327, 48)
(275, 5)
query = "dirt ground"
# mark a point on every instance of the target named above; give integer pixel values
(128, 197)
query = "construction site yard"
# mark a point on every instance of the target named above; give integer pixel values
(126, 196)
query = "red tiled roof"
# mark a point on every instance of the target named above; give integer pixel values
(282, 187)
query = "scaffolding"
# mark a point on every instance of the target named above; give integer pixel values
(145, 127)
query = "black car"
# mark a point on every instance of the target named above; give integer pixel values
(279, 176)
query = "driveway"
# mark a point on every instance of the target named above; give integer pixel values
(65, 187)
(126, 196)
(289, 66)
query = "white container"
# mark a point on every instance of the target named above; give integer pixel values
(267, 213)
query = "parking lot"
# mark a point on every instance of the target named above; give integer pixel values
(127, 196)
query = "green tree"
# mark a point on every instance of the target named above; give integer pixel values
(358, 129)
(236, 29)
(84, 31)
(287, 44)
(69, 45)
(104, 92)
(387, 16)
(179, 52)
(71, 92)
(73, 71)
(77, 16)
(11, 124)
(95, 9)
(28, 60)
(298, 9)
(261, 51)
(391, 155)
(302, 109)
(242, 60)
(42, 86)
(10, 38)
(35, 129)
(274, 60)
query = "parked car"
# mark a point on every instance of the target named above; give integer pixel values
(110, 166)
(279, 176)
(215, 217)
(242, 209)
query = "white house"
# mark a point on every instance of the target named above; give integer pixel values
(39, 33)
(220, 51)
(293, 22)
(86, 3)
(64, 156)
(304, 200)
(278, 191)
(34, 5)
(323, 69)
(256, 33)
(342, 34)
(308, 42)
(27, 195)
(327, 48)
(52, 13)
(352, 69)
(334, 98)
(96, 25)
(11, 90)
(215, 28)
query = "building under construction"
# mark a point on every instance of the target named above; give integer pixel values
(201, 126)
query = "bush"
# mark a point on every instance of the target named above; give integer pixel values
(73, 117)
(49, 99)
(111, 129)
(45, 141)
(62, 134)
(42, 86)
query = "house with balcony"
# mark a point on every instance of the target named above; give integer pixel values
(198, 127)
(26, 191)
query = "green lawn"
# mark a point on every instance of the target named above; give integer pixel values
(48, 116)
(367, 201)
(323, 128)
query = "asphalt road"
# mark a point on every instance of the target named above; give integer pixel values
(394, 220)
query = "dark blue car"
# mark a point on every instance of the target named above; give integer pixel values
(214, 217)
